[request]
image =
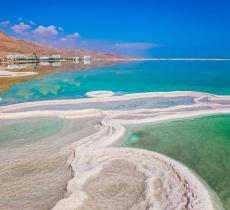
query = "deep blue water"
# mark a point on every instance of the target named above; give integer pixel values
(205, 76)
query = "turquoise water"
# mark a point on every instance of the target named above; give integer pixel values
(28, 130)
(203, 144)
(206, 76)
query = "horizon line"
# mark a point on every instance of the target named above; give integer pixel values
(179, 59)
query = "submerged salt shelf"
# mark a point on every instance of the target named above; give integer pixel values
(132, 104)
(126, 102)
(164, 183)
(33, 153)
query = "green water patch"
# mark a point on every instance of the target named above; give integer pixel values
(203, 144)
(28, 130)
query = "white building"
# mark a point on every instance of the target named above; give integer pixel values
(44, 58)
(56, 57)
(86, 57)
(21, 57)
(76, 58)
(11, 57)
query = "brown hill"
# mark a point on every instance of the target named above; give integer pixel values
(9, 45)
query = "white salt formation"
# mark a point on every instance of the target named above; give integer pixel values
(108, 177)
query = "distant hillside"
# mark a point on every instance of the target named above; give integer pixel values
(9, 45)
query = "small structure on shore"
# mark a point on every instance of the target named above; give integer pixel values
(55, 57)
(51, 58)
(76, 59)
(44, 58)
(17, 57)
(86, 57)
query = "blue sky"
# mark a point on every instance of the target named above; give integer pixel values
(151, 28)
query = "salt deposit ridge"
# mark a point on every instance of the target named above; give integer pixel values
(4, 73)
(99, 94)
(108, 177)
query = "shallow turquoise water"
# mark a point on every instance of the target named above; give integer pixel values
(203, 144)
(206, 76)
(28, 130)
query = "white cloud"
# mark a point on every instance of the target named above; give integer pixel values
(70, 38)
(51, 35)
(5, 23)
(73, 36)
(21, 28)
(45, 31)
(32, 22)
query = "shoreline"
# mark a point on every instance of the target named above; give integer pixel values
(101, 145)
(119, 59)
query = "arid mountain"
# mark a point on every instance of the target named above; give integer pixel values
(9, 45)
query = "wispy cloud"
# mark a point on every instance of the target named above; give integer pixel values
(123, 48)
(69, 37)
(21, 28)
(5, 23)
(136, 45)
(73, 36)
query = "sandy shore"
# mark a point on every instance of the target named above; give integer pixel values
(108, 177)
